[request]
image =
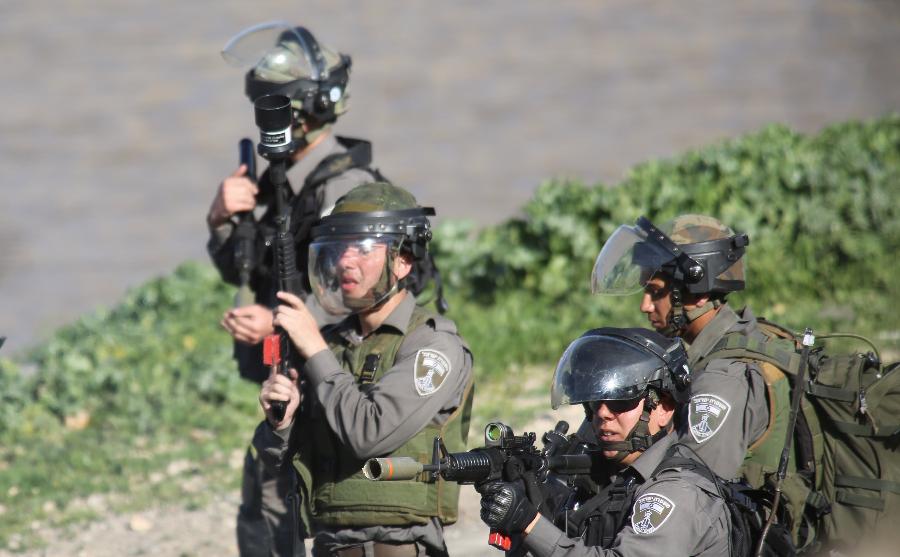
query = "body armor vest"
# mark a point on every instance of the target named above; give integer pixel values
(340, 495)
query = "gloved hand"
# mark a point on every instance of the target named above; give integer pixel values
(505, 507)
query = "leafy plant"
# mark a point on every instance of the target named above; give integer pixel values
(122, 394)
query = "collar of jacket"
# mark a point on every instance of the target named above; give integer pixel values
(398, 320)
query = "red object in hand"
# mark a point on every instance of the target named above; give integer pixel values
(272, 350)
(499, 540)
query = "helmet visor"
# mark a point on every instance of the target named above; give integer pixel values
(349, 274)
(275, 51)
(598, 367)
(627, 261)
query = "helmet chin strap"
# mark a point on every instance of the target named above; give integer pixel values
(639, 439)
(678, 318)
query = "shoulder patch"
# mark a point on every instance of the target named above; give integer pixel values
(706, 416)
(430, 370)
(650, 512)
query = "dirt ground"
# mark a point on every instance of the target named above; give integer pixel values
(209, 531)
(119, 119)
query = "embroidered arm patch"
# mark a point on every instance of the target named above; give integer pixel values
(430, 370)
(650, 512)
(706, 416)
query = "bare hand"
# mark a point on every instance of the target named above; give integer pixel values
(279, 387)
(236, 194)
(300, 325)
(249, 324)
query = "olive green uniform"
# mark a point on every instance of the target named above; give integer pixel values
(675, 512)
(728, 409)
(367, 414)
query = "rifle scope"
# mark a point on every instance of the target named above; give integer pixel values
(273, 118)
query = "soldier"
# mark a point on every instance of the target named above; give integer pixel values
(289, 61)
(384, 381)
(737, 416)
(658, 500)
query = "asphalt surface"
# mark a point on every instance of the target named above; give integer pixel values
(119, 119)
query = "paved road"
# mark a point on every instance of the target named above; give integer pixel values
(118, 119)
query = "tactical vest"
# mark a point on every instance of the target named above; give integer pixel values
(340, 495)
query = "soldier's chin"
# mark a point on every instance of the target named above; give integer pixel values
(357, 303)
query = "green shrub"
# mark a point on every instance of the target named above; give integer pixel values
(120, 394)
(822, 213)
(155, 380)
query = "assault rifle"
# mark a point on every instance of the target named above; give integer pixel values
(274, 119)
(505, 456)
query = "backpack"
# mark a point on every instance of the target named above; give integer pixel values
(848, 432)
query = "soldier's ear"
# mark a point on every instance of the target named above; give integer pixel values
(403, 265)
(664, 411)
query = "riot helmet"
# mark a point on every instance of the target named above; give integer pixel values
(285, 60)
(353, 250)
(698, 254)
(612, 364)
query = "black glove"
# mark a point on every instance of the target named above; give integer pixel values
(505, 507)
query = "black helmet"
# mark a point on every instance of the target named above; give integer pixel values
(620, 364)
(288, 60)
(368, 217)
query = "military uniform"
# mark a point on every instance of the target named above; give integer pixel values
(327, 171)
(728, 409)
(674, 511)
(389, 393)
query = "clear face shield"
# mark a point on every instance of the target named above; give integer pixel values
(277, 52)
(628, 260)
(350, 274)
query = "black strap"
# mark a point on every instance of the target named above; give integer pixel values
(600, 518)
